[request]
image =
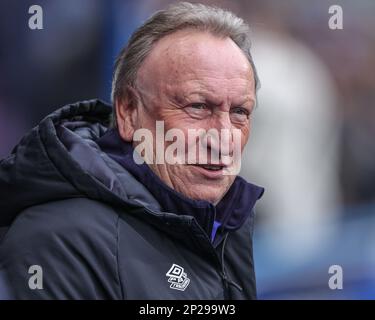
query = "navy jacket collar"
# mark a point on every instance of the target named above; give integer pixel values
(229, 214)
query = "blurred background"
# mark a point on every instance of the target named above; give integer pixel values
(312, 145)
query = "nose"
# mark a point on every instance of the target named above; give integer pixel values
(220, 135)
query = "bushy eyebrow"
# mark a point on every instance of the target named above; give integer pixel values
(181, 98)
(211, 99)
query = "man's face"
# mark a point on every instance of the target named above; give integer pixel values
(194, 80)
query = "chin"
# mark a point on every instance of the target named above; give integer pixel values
(206, 195)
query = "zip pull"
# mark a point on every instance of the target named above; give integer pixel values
(230, 282)
(236, 285)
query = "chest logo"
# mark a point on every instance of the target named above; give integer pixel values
(177, 278)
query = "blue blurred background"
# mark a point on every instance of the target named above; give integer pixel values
(312, 144)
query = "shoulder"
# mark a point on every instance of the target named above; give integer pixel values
(76, 215)
(78, 222)
(73, 240)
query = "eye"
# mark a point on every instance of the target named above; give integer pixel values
(240, 111)
(198, 110)
(239, 115)
(198, 106)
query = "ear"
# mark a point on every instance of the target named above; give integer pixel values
(127, 115)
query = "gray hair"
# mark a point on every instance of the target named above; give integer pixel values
(183, 15)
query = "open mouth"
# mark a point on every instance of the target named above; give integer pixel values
(212, 167)
(210, 171)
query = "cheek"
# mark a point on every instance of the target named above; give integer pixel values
(181, 121)
(245, 134)
(178, 119)
(146, 120)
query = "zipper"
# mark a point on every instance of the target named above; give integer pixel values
(220, 262)
(227, 280)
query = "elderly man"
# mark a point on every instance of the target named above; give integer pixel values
(83, 218)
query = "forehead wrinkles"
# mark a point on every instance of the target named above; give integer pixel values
(193, 61)
(207, 57)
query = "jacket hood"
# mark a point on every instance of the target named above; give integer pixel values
(59, 159)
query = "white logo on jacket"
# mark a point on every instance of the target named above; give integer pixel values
(177, 278)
